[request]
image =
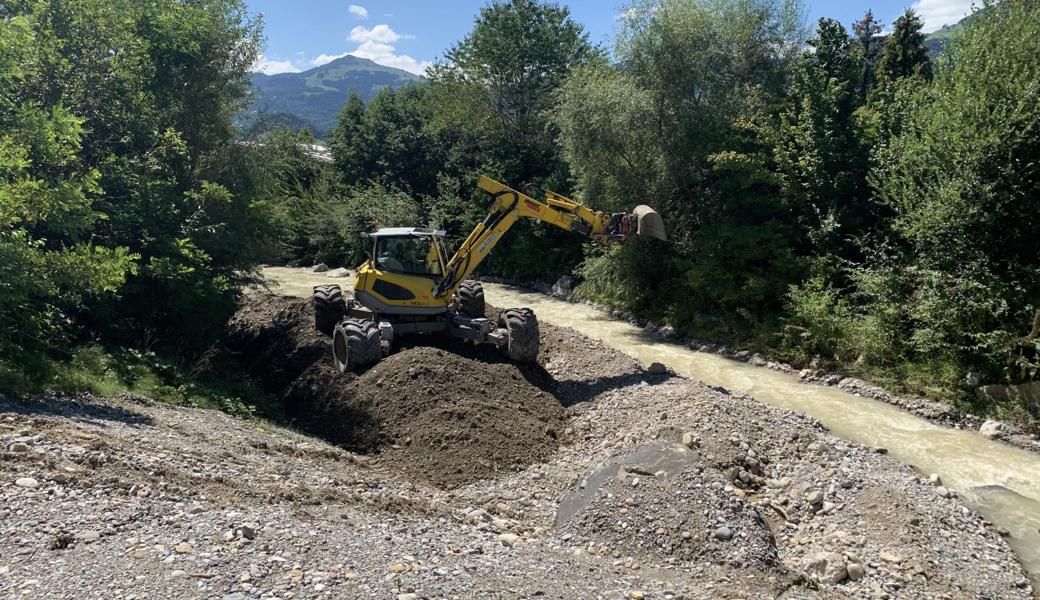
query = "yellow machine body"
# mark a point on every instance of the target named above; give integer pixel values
(408, 272)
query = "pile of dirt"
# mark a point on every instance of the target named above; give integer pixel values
(447, 417)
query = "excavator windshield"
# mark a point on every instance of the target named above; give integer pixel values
(412, 255)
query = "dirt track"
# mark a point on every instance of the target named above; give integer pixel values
(580, 477)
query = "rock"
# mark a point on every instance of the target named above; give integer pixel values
(723, 533)
(508, 539)
(397, 568)
(973, 379)
(339, 273)
(891, 558)
(178, 574)
(182, 548)
(826, 567)
(991, 429)
(814, 497)
(942, 492)
(657, 368)
(408, 596)
(89, 535)
(27, 482)
(319, 268)
(248, 531)
(637, 595)
(935, 479)
(665, 331)
(757, 360)
(689, 440)
(742, 355)
(563, 286)
(856, 571)
(18, 447)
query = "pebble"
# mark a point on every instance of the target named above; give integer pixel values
(891, 558)
(18, 447)
(248, 532)
(657, 368)
(942, 492)
(27, 482)
(856, 571)
(178, 574)
(724, 533)
(397, 568)
(89, 535)
(182, 548)
(508, 539)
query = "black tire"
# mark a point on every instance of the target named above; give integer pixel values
(522, 326)
(355, 344)
(329, 308)
(471, 299)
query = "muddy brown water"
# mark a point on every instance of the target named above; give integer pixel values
(1000, 481)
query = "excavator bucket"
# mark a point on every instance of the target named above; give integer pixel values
(649, 222)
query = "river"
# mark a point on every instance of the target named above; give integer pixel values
(1000, 481)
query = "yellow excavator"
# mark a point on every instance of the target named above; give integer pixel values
(409, 286)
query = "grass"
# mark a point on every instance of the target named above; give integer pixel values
(210, 383)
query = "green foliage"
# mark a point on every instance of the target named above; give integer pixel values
(905, 53)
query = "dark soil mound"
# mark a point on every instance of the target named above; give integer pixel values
(446, 417)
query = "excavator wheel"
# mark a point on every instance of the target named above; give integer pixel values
(522, 326)
(329, 308)
(355, 344)
(471, 299)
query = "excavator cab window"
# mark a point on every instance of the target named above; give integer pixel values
(410, 255)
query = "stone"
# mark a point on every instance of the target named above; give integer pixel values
(248, 531)
(27, 482)
(723, 533)
(856, 571)
(757, 360)
(689, 440)
(991, 429)
(338, 273)
(657, 368)
(178, 574)
(826, 567)
(942, 492)
(508, 539)
(182, 548)
(935, 479)
(408, 596)
(89, 535)
(814, 497)
(18, 447)
(637, 595)
(891, 558)
(563, 286)
(397, 568)
(319, 268)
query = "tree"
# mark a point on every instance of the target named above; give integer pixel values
(822, 163)
(503, 78)
(868, 44)
(905, 54)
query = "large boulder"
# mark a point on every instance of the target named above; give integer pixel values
(827, 568)
(991, 429)
(338, 273)
(319, 268)
(563, 287)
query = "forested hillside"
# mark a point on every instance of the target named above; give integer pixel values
(312, 99)
(831, 195)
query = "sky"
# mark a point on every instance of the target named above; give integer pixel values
(411, 34)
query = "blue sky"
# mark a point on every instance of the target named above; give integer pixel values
(410, 34)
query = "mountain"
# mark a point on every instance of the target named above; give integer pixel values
(940, 37)
(314, 98)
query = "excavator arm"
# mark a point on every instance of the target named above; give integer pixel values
(510, 205)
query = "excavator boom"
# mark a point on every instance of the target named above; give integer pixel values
(510, 205)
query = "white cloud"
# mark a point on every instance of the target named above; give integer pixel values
(324, 59)
(386, 55)
(936, 13)
(379, 33)
(358, 11)
(273, 67)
